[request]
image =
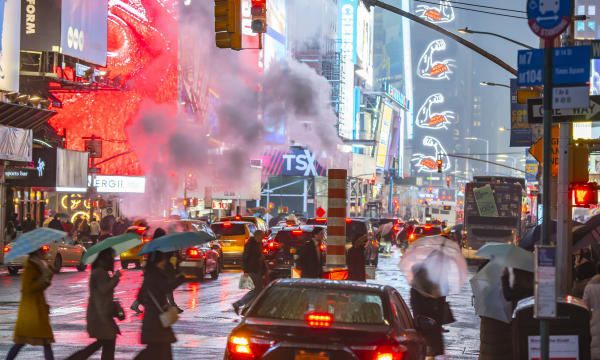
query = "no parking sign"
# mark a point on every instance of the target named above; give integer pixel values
(548, 18)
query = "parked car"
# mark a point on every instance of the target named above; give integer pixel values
(60, 253)
(280, 252)
(232, 238)
(327, 320)
(199, 261)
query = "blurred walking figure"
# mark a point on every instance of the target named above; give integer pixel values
(309, 255)
(591, 297)
(94, 230)
(56, 224)
(33, 322)
(83, 232)
(101, 308)
(253, 265)
(153, 295)
(356, 259)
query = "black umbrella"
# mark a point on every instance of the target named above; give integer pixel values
(533, 235)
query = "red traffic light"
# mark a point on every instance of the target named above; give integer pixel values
(584, 194)
(373, 180)
(439, 165)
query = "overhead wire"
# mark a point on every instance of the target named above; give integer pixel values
(486, 6)
(475, 10)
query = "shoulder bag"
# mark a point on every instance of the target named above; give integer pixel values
(168, 317)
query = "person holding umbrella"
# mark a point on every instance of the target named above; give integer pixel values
(309, 255)
(33, 321)
(253, 264)
(356, 259)
(153, 295)
(101, 308)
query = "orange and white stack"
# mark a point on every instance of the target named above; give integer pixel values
(336, 218)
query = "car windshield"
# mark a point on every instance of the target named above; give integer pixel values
(346, 306)
(427, 231)
(228, 229)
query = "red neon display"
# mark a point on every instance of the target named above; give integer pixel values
(142, 49)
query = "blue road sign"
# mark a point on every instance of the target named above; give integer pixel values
(571, 66)
(548, 18)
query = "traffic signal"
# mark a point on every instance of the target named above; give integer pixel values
(448, 181)
(439, 165)
(228, 24)
(373, 179)
(584, 194)
(259, 16)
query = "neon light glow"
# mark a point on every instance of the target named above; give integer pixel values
(142, 50)
(444, 13)
(428, 163)
(431, 69)
(427, 119)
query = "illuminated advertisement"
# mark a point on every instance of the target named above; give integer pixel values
(437, 14)
(428, 162)
(595, 78)
(429, 119)
(83, 30)
(384, 136)
(408, 75)
(347, 29)
(435, 69)
(364, 41)
(274, 50)
(10, 22)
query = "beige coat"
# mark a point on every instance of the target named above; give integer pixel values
(591, 296)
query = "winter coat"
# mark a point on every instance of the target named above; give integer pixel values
(434, 308)
(56, 225)
(100, 309)
(495, 340)
(33, 317)
(356, 264)
(309, 260)
(158, 283)
(591, 296)
(252, 258)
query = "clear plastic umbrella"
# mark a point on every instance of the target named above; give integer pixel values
(508, 255)
(487, 291)
(435, 266)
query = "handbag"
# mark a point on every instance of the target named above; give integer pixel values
(246, 282)
(168, 317)
(447, 316)
(118, 311)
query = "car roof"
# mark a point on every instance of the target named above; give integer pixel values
(302, 227)
(331, 284)
(232, 222)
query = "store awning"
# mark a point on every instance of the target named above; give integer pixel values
(22, 116)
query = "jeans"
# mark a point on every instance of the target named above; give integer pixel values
(14, 350)
(155, 351)
(250, 295)
(108, 350)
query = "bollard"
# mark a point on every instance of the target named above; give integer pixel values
(336, 218)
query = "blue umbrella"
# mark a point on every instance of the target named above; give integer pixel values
(177, 241)
(33, 240)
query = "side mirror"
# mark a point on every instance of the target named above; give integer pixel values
(425, 324)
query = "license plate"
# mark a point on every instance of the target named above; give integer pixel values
(305, 355)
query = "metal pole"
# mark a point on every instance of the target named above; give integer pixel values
(563, 245)
(305, 198)
(268, 199)
(546, 229)
(487, 156)
(391, 195)
(3, 205)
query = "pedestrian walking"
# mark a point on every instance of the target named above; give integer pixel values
(83, 234)
(495, 337)
(101, 308)
(28, 224)
(356, 259)
(107, 222)
(254, 266)
(33, 321)
(423, 305)
(591, 297)
(56, 224)
(309, 255)
(584, 272)
(94, 230)
(153, 295)
(77, 224)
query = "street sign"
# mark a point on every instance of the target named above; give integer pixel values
(535, 112)
(571, 65)
(520, 132)
(548, 19)
(570, 97)
(537, 151)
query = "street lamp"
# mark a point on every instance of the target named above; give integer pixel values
(487, 151)
(487, 83)
(466, 30)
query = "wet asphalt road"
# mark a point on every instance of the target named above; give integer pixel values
(203, 327)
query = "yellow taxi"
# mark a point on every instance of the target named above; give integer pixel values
(232, 236)
(258, 222)
(131, 256)
(420, 231)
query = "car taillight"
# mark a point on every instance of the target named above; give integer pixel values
(297, 232)
(411, 236)
(381, 352)
(6, 249)
(239, 345)
(427, 227)
(238, 218)
(146, 239)
(227, 225)
(45, 248)
(321, 220)
(322, 247)
(348, 220)
(193, 253)
(140, 230)
(319, 320)
(395, 228)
